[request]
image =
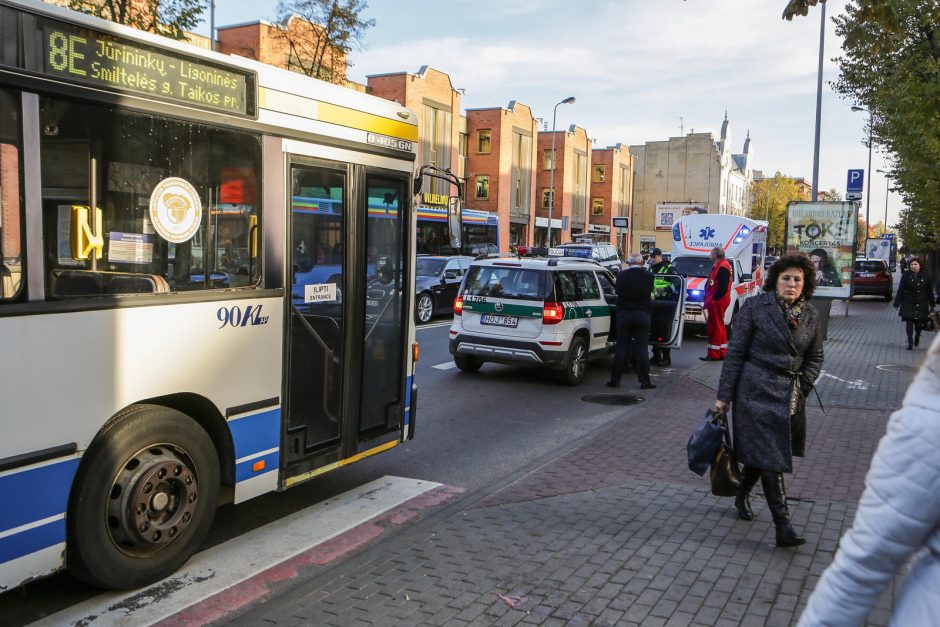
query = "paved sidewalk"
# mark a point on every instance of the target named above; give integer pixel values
(617, 531)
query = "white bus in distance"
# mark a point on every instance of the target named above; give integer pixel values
(745, 244)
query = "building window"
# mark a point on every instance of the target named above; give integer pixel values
(463, 141)
(483, 141)
(597, 206)
(546, 198)
(580, 184)
(547, 159)
(624, 181)
(483, 187)
(599, 173)
(436, 143)
(521, 174)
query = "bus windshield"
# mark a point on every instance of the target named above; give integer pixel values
(693, 266)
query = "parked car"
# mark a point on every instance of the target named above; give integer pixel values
(873, 278)
(437, 279)
(553, 313)
(604, 254)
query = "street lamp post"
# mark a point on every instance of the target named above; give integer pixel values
(551, 176)
(884, 226)
(871, 127)
(819, 82)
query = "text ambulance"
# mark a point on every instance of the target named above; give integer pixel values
(745, 243)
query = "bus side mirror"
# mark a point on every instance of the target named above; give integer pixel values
(416, 186)
(454, 219)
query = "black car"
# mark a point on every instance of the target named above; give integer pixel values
(437, 279)
(604, 254)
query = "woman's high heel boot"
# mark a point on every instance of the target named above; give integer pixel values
(776, 495)
(742, 501)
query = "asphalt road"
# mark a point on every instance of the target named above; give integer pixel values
(472, 430)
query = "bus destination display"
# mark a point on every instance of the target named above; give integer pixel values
(101, 60)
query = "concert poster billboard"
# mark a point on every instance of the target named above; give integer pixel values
(825, 232)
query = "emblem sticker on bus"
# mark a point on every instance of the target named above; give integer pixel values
(237, 316)
(175, 210)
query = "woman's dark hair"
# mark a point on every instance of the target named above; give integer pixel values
(793, 261)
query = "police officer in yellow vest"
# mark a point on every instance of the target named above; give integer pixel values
(661, 289)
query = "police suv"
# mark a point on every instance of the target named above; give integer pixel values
(554, 313)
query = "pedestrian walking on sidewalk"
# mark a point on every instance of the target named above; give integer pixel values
(717, 299)
(898, 516)
(775, 355)
(914, 300)
(662, 288)
(634, 304)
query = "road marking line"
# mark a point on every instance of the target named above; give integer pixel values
(231, 563)
(433, 325)
(447, 365)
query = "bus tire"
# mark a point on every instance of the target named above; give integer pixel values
(143, 498)
(467, 364)
(576, 364)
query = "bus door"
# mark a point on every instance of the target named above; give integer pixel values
(348, 328)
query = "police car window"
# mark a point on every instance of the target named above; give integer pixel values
(515, 283)
(606, 285)
(566, 287)
(588, 286)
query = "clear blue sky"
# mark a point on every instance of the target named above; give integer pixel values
(636, 68)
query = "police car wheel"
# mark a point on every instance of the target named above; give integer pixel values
(467, 364)
(576, 366)
(143, 499)
(424, 308)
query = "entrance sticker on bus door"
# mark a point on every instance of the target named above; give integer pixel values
(175, 210)
(320, 293)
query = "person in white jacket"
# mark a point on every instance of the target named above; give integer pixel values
(898, 517)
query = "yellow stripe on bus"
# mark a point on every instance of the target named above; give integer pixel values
(343, 462)
(335, 114)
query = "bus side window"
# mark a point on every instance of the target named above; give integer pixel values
(202, 182)
(12, 255)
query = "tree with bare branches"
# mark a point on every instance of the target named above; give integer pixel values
(170, 18)
(320, 34)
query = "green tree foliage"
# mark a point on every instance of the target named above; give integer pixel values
(771, 197)
(891, 66)
(323, 51)
(170, 18)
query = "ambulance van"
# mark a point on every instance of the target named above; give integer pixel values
(745, 244)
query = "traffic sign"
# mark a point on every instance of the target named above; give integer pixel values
(856, 182)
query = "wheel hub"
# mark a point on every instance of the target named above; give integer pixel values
(152, 500)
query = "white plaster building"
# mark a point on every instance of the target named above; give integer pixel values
(693, 169)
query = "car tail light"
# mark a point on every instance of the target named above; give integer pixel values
(553, 313)
(458, 306)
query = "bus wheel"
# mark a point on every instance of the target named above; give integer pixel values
(143, 499)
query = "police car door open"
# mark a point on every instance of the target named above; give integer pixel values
(667, 321)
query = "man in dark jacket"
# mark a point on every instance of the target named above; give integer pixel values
(661, 288)
(634, 303)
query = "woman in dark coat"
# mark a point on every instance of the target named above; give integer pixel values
(914, 301)
(775, 355)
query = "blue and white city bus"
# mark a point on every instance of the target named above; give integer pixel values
(206, 280)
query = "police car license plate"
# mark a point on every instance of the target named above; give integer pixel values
(499, 321)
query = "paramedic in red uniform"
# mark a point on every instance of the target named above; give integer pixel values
(717, 298)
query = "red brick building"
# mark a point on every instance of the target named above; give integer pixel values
(611, 194)
(501, 163)
(571, 182)
(272, 44)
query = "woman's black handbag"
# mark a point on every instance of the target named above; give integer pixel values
(725, 475)
(932, 323)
